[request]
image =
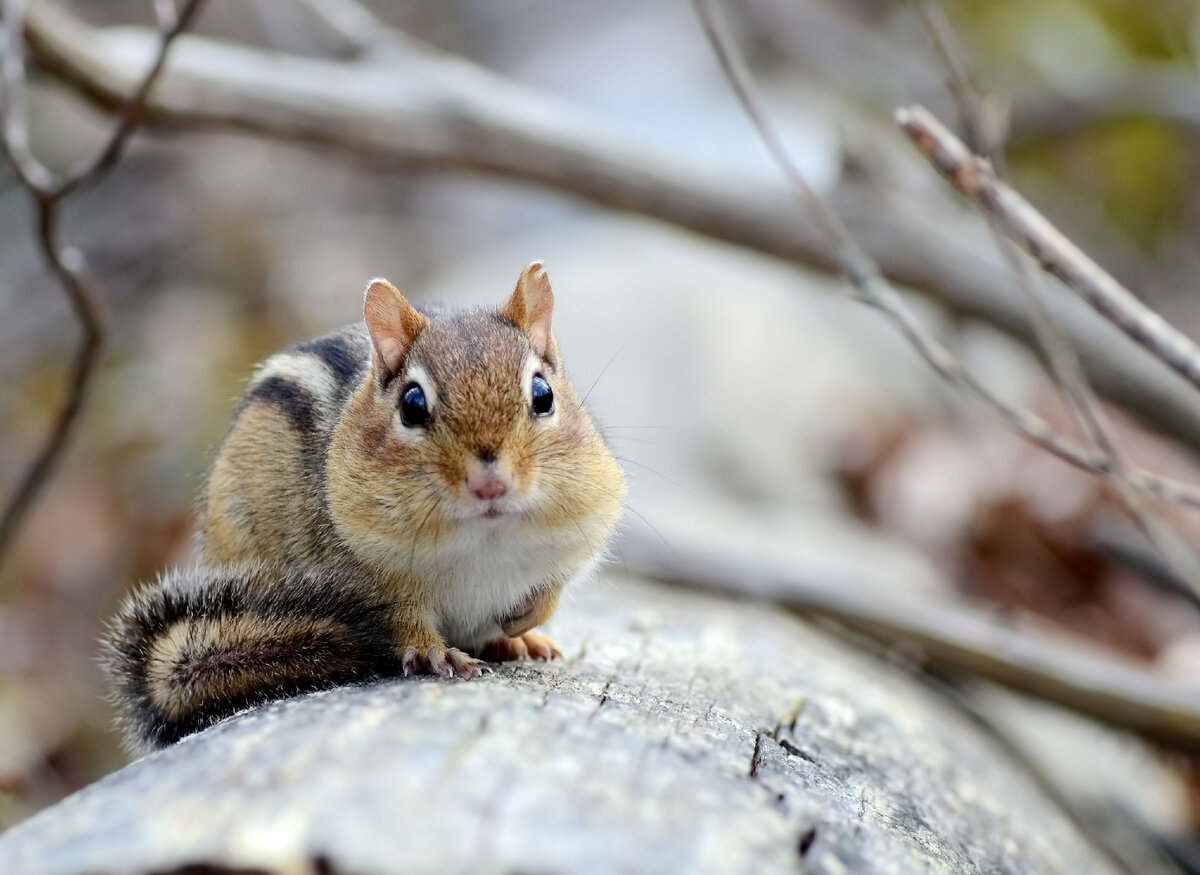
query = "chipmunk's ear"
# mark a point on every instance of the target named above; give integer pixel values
(530, 308)
(393, 324)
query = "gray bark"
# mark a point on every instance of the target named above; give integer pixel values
(683, 733)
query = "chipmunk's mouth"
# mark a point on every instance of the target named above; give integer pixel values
(501, 509)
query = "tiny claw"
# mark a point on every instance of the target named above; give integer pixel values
(436, 658)
(408, 660)
(464, 666)
(440, 661)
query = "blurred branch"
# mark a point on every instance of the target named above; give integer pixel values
(834, 42)
(1118, 542)
(873, 289)
(1161, 91)
(351, 22)
(950, 637)
(986, 139)
(413, 106)
(49, 194)
(343, 29)
(1057, 255)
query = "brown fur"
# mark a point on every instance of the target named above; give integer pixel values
(202, 644)
(538, 609)
(319, 475)
(264, 513)
(381, 501)
(234, 656)
(530, 307)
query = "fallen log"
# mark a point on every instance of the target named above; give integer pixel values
(682, 733)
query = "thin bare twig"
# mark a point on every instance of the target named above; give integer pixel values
(984, 118)
(974, 177)
(65, 262)
(986, 139)
(873, 289)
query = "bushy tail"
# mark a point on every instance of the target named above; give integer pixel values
(202, 644)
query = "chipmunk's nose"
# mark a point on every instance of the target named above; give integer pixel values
(486, 478)
(493, 487)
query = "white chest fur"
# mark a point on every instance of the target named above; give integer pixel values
(488, 570)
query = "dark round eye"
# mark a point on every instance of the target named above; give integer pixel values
(543, 397)
(413, 411)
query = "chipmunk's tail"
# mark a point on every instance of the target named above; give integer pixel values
(202, 644)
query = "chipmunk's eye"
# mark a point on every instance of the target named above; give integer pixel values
(543, 396)
(414, 413)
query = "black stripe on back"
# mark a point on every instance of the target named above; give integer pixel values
(296, 402)
(335, 351)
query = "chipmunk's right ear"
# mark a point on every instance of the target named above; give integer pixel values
(530, 308)
(393, 324)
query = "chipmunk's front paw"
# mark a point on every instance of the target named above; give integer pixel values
(531, 645)
(446, 662)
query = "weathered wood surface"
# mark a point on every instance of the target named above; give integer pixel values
(683, 733)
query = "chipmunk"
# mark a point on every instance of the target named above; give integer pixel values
(406, 495)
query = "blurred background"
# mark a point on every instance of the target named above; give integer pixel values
(751, 402)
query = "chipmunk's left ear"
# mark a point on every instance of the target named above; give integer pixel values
(392, 323)
(530, 308)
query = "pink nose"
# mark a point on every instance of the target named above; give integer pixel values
(490, 487)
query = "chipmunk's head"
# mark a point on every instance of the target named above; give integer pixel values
(467, 424)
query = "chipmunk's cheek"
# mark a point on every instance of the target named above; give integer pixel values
(372, 435)
(525, 487)
(380, 441)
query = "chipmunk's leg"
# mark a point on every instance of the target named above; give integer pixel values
(520, 642)
(423, 651)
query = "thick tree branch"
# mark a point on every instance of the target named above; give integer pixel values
(405, 104)
(681, 734)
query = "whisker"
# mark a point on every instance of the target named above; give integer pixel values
(670, 480)
(608, 428)
(589, 484)
(433, 505)
(634, 440)
(603, 371)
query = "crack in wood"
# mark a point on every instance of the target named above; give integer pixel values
(757, 757)
(795, 751)
(805, 843)
(602, 701)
